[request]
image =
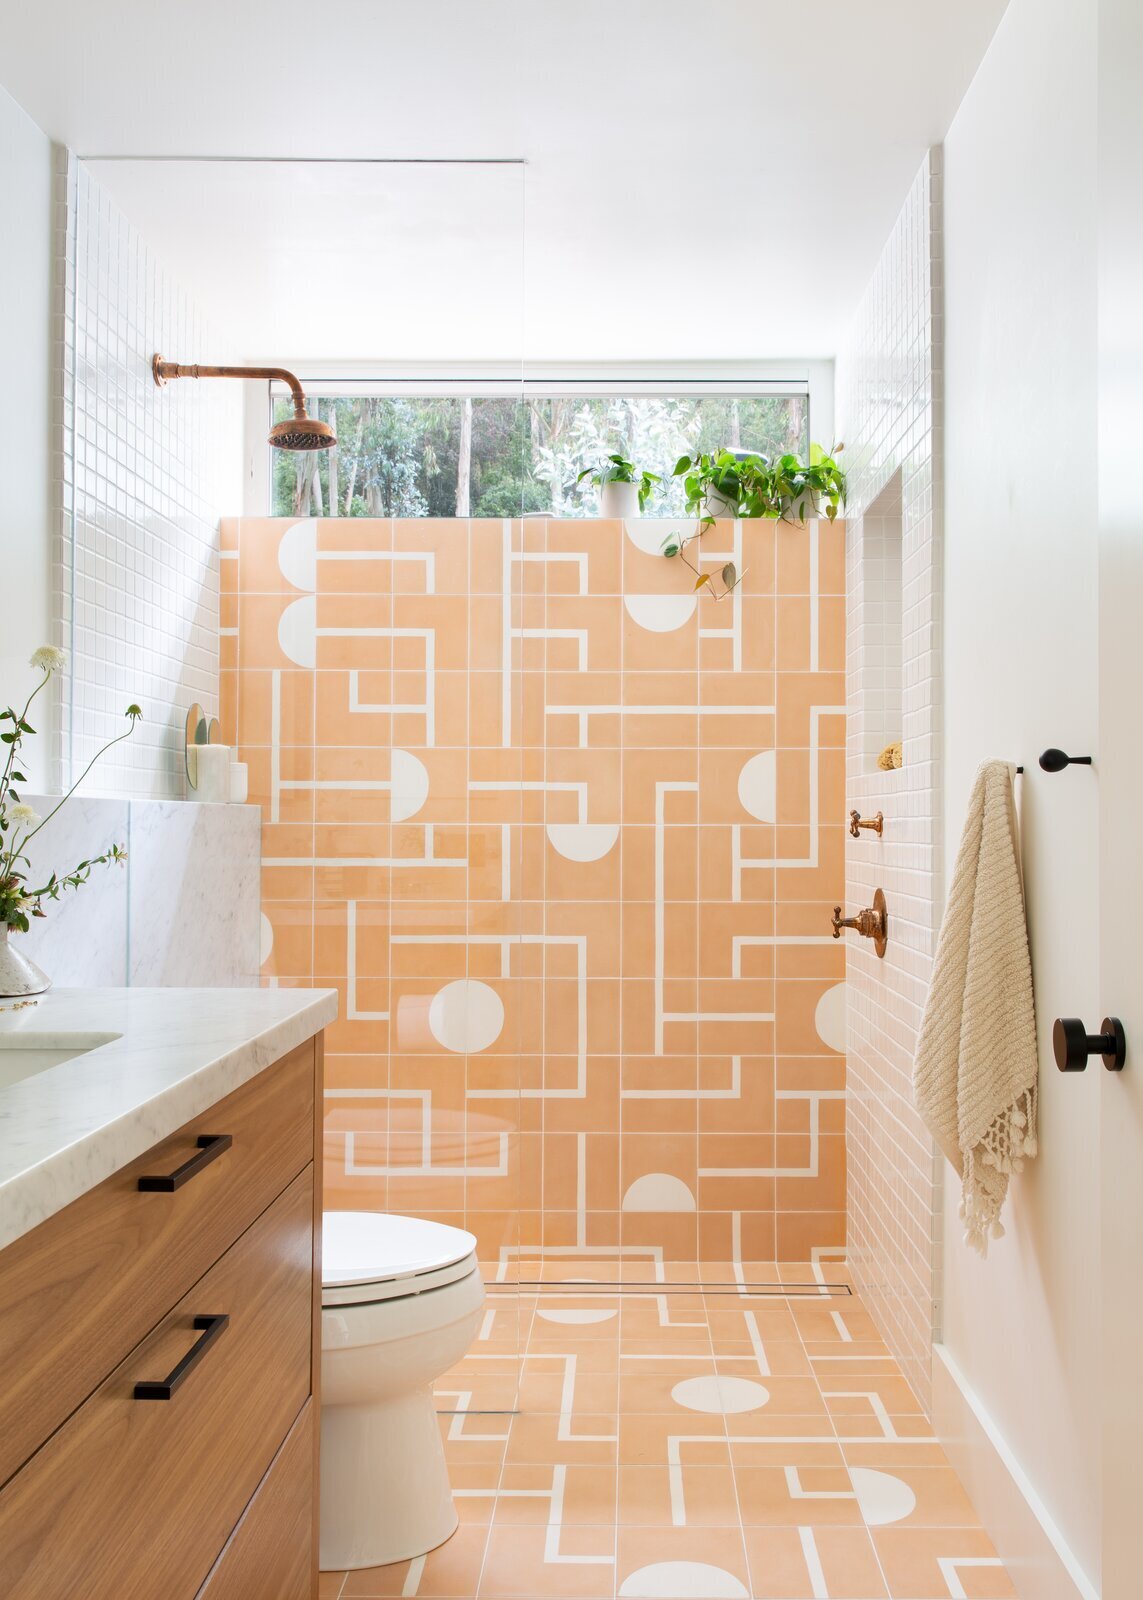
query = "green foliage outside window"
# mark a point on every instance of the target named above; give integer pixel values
(481, 457)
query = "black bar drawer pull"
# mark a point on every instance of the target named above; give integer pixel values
(164, 1388)
(210, 1147)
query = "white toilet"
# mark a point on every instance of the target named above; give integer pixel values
(401, 1303)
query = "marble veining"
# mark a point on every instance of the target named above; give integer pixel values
(175, 1052)
(195, 882)
(184, 910)
(82, 937)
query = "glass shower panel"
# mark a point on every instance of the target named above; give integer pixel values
(370, 681)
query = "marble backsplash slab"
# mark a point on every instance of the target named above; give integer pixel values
(184, 911)
(195, 881)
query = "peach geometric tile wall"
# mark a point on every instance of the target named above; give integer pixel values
(566, 839)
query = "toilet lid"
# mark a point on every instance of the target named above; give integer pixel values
(370, 1255)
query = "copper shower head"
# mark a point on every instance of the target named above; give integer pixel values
(299, 432)
(302, 433)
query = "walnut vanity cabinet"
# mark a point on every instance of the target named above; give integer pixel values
(160, 1345)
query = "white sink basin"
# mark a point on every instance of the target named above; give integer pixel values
(22, 1055)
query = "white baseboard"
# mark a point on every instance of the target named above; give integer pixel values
(1038, 1560)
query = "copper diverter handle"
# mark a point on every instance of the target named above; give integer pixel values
(872, 922)
(876, 823)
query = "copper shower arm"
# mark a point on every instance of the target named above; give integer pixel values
(164, 370)
(302, 433)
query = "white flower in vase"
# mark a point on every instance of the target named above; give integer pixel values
(19, 824)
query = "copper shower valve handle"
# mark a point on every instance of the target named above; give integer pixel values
(876, 824)
(871, 922)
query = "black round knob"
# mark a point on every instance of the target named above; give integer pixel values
(1072, 1044)
(1069, 1044)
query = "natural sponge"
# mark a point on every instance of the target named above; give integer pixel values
(890, 757)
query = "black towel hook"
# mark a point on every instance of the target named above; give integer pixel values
(1056, 760)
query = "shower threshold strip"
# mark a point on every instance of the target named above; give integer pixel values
(651, 1289)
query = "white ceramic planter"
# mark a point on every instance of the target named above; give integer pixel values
(792, 512)
(718, 505)
(619, 499)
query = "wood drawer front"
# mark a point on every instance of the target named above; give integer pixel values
(81, 1290)
(270, 1553)
(133, 1499)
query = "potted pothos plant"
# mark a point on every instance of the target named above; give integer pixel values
(623, 489)
(725, 483)
(21, 899)
(736, 483)
(803, 490)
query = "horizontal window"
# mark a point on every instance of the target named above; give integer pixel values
(487, 456)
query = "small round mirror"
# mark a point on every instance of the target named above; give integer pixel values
(197, 733)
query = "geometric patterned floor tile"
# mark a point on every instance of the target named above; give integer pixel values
(715, 1446)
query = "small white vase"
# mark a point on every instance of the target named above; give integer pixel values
(18, 975)
(619, 499)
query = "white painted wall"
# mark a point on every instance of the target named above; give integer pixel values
(25, 415)
(1021, 673)
(1121, 778)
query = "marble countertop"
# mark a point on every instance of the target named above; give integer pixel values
(165, 1055)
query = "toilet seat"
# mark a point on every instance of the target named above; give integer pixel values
(371, 1256)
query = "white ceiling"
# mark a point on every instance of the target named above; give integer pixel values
(703, 181)
(337, 261)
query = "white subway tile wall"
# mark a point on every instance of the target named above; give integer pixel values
(142, 475)
(889, 407)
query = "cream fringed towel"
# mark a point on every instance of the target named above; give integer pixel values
(974, 1077)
